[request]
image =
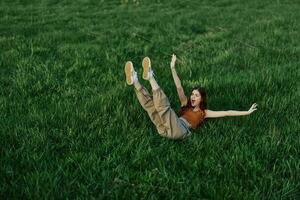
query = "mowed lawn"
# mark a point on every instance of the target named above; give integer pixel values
(71, 128)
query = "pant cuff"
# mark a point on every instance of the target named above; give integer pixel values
(138, 88)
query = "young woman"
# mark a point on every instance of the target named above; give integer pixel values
(193, 109)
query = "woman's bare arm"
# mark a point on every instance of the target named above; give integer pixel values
(180, 91)
(214, 114)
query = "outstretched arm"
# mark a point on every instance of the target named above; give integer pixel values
(214, 114)
(180, 91)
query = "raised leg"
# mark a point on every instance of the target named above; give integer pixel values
(170, 120)
(174, 126)
(147, 103)
(143, 96)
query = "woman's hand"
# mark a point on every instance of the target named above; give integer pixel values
(172, 64)
(252, 109)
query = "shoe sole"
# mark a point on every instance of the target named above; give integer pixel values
(128, 68)
(146, 65)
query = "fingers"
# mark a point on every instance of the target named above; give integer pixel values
(254, 105)
(252, 110)
(173, 60)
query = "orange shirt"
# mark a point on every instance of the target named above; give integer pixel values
(194, 118)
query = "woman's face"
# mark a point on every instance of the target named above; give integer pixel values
(195, 98)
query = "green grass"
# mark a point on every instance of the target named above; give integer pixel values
(72, 128)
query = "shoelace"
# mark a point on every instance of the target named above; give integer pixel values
(151, 73)
(134, 75)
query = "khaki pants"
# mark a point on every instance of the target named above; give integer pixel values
(167, 123)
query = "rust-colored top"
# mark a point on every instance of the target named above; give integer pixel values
(193, 117)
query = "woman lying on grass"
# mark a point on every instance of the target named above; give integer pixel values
(167, 122)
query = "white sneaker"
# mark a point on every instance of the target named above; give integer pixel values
(148, 72)
(131, 75)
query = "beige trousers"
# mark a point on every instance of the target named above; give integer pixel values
(167, 123)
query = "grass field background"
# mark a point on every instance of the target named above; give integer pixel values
(72, 128)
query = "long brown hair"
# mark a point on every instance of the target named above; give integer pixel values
(203, 103)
